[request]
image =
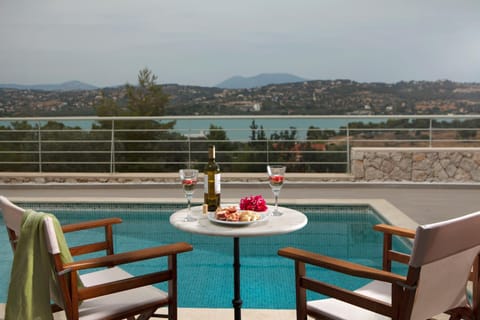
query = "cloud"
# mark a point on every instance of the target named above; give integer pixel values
(203, 42)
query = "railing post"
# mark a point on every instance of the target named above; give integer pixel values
(39, 136)
(189, 152)
(268, 151)
(430, 134)
(349, 168)
(112, 148)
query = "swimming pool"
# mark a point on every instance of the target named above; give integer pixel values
(205, 274)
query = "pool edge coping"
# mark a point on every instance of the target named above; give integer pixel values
(384, 208)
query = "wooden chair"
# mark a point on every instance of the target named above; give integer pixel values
(443, 259)
(109, 293)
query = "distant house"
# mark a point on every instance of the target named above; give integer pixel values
(257, 107)
(319, 146)
(200, 135)
(299, 148)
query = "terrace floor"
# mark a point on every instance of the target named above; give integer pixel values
(422, 203)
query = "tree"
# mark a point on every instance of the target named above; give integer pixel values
(315, 133)
(217, 136)
(216, 133)
(283, 145)
(107, 106)
(257, 134)
(138, 143)
(254, 128)
(254, 156)
(147, 99)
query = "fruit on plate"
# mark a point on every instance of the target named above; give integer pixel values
(248, 215)
(232, 214)
(227, 214)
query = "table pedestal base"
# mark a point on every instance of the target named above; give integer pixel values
(237, 300)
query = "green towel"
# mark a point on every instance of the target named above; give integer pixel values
(33, 273)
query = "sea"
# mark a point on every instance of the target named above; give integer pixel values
(239, 128)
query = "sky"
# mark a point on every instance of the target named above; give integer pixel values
(193, 42)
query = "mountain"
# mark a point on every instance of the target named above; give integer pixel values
(239, 82)
(66, 86)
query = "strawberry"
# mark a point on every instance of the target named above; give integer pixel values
(188, 181)
(277, 179)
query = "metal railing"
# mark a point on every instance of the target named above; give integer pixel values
(244, 143)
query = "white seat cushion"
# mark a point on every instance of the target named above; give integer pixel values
(340, 310)
(102, 307)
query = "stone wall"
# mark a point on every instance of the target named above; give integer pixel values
(417, 165)
(23, 178)
(460, 165)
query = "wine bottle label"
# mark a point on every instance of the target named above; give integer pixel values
(217, 183)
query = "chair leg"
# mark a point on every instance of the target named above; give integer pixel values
(476, 288)
(172, 288)
(301, 294)
(145, 315)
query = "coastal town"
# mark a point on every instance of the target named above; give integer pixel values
(318, 97)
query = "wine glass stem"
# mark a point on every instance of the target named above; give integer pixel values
(189, 216)
(276, 201)
(189, 199)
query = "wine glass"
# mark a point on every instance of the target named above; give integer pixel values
(189, 180)
(276, 177)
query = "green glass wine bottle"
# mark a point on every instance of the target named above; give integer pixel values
(212, 183)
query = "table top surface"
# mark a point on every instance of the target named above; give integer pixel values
(291, 220)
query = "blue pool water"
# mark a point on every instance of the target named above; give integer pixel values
(206, 273)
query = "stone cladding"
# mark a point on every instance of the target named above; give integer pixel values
(461, 165)
(383, 165)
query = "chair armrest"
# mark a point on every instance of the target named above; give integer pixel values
(131, 256)
(90, 224)
(393, 230)
(338, 265)
(389, 254)
(106, 245)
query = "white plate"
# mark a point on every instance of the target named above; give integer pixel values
(211, 216)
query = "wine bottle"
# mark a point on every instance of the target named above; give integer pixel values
(212, 181)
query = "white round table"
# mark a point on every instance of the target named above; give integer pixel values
(290, 220)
